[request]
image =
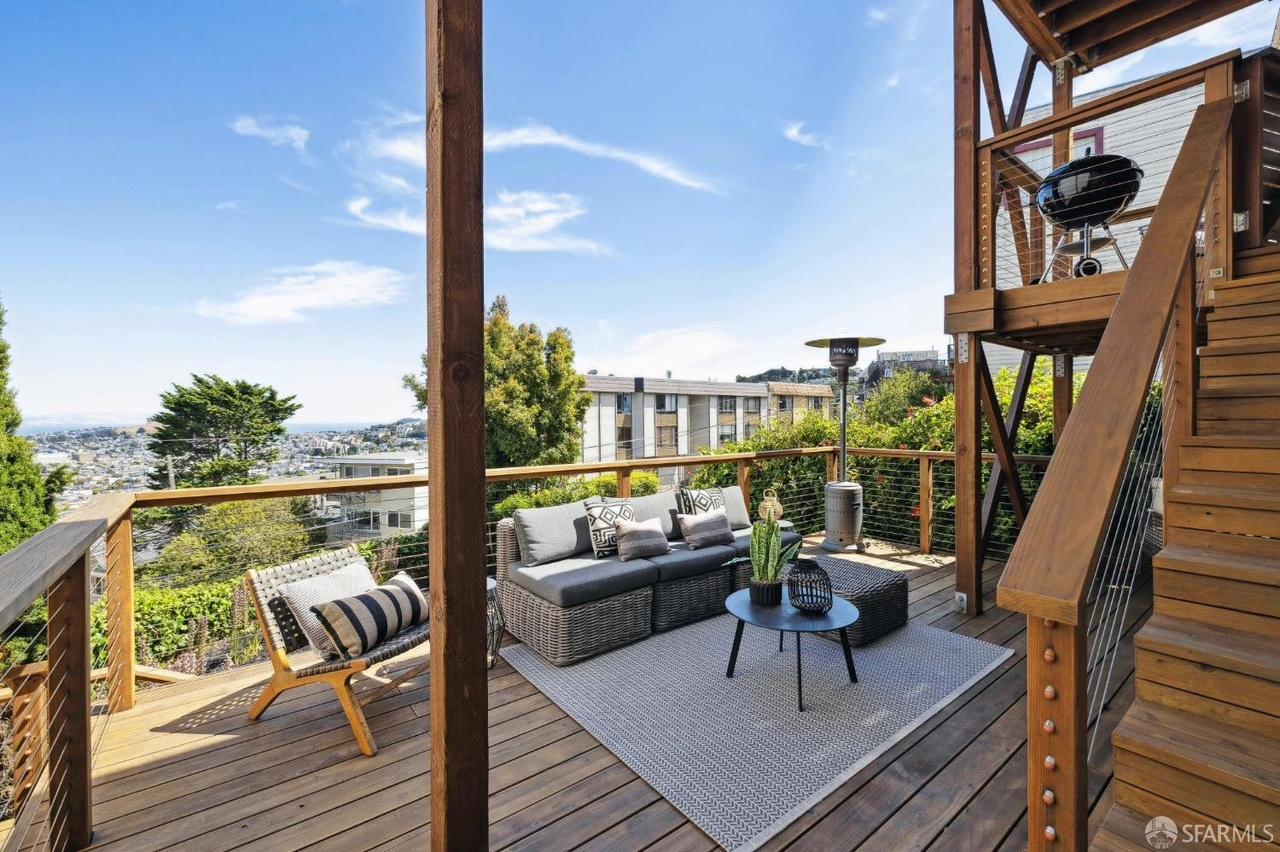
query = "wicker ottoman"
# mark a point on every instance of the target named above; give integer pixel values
(879, 594)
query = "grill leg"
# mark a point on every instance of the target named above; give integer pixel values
(737, 641)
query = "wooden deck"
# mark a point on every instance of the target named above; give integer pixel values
(185, 769)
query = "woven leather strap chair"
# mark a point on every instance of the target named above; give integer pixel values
(283, 636)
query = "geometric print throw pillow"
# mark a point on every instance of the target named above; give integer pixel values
(602, 519)
(692, 501)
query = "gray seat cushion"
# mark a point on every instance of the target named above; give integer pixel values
(555, 532)
(661, 506)
(682, 562)
(582, 579)
(742, 539)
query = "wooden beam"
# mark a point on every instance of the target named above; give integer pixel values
(1080, 12)
(1022, 90)
(69, 699)
(1088, 34)
(968, 479)
(990, 75)
(1063, 393)
(455, 385)
(1049, 571)
(966, 138)
(1000, 438)
(1219, 82)
(121, 646)
(1033, 29)
(1172, 24)
(1063, 143)
(926, 505)
(1012, 420)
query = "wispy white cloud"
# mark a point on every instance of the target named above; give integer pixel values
(540, 135)
(1111, 74)
(229, 207)
(398, 219)
(695, 351)
(280, 135)
(531, 221)
(516, 222)
(795, 132)
(1249, 27)
(893, 80)
(295, 184)
(878, 15)
(287, 295)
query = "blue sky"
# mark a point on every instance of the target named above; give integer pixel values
(235, 187)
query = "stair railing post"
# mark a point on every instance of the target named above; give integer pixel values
(121, 647)
(1057, 736)
(69, 697)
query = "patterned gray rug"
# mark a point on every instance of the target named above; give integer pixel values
(735, 755)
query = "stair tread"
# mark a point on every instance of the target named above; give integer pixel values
(1264, 386)
(1213, 645)
(1207, 748)
(1244, 347)
(1124, 830)
(1216, 495)
(1246, 568)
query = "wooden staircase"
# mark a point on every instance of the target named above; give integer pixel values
(1201, 743)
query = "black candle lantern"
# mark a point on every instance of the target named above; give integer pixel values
(809, 587)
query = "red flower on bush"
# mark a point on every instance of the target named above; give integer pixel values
(915, 511)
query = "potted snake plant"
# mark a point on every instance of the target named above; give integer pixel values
(767, 558)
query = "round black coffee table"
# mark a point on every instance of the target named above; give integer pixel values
(785, 618)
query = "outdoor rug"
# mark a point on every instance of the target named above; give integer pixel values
(735, 755)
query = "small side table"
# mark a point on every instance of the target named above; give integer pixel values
(497, 623)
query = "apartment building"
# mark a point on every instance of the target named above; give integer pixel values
(384, 513)
(638, 417)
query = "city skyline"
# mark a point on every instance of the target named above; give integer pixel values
(242, 189)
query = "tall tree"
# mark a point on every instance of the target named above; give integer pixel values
(26, 492)
(534, 400)
(217, 431)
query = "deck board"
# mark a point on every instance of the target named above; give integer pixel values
(185, 768)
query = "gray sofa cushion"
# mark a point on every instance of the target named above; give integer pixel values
(682, 562)
(582, 579)
(661, 506)
(555, 532)
(742, 538)
(736, 508)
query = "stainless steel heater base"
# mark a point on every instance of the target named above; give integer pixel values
(843, 518)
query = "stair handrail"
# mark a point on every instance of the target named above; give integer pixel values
(1053, 561)
(1049, 570)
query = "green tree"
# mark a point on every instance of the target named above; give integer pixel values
(228, 539)
(534, 399)
(26, 493)
(217, 431)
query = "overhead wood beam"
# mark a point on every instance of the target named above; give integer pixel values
(1033, 28)
(1080, 12)
(990, 76)
(1175, 23)
(1012, 421)
(968, 440)
(1002, 442)
(1022, 90)
(1131, 17)
(455, 435)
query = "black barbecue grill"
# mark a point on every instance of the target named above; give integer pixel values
(1085, 194)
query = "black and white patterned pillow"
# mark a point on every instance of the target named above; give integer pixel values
(603, 518)
(362, 622)
(694, 501)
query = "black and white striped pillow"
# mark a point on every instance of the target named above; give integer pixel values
(362, 622)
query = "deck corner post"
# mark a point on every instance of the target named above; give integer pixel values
(69, 697)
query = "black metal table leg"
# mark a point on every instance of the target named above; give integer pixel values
(848, 656)
(733, 655)
(799, 676)
(781, 633)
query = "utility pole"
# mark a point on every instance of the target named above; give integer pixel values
(169, 460)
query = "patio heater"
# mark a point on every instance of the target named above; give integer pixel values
(843, 498)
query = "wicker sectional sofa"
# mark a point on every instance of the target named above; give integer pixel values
(568, 605)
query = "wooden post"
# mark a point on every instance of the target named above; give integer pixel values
(1180, 387)
(968, 423)
(744, 481)
(1063, 389)
(1057, 736)
(455, 381)
(121, 646)
(833, 465)
(926, 504)
(1063, 143)
(1012, 420)
(1219, 82)
(624, 482)
(70, 735)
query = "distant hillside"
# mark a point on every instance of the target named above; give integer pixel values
(805, 375)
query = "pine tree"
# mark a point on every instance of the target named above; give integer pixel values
(26, 493)
(534, 399)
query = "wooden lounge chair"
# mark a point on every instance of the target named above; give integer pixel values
(283, 636)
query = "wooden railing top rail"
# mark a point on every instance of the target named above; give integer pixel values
(31, 567)
(1049, 570)
(1130, 96)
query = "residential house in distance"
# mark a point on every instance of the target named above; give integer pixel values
(637, 417)
(381, 514)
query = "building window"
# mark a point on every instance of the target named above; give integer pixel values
(624, 403)
(729, 404)
(348, 471)
(624, 442)
(399, 471)
(727, 432)
(749, 429)
(751, 405)
(666, 403)
(666, 436)
(400, 520)
(815, 402)
(784, 403)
